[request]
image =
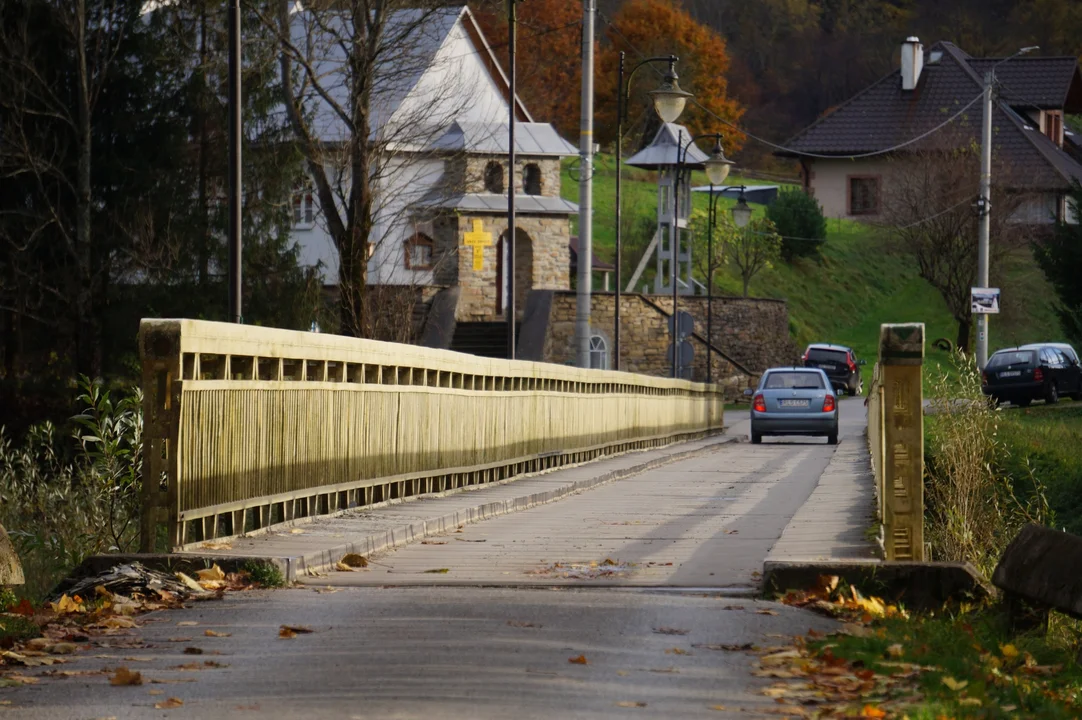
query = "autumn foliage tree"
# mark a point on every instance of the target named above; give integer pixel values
(548, 56)
(662, 27)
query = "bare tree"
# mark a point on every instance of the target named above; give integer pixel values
(928, 213)
(369, 88)
(751, 249)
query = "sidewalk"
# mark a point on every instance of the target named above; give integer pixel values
(314, 543)
(832, 529)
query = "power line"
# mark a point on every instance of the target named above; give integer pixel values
(764, 141)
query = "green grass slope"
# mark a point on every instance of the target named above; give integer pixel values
(858, 283)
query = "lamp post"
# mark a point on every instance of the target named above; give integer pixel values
(717, 170)
(741, 215)
(235, 286)
(509, 243)
(669, 101)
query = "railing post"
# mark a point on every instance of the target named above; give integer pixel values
(901, 353)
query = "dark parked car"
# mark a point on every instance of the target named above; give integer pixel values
(839, 363)
(1041, 371)
(794, 401)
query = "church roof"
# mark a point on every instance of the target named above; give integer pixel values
(664, 150)
(491, 139)
(492, 203)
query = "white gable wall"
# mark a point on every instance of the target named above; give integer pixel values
(456, 86)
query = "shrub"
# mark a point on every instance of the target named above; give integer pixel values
(63, 500)
(973, 507)
(800, 222)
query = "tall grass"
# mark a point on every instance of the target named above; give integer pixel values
(974, 505)
(67, 495)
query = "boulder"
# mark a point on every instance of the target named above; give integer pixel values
(1043, 567)
(11, 570)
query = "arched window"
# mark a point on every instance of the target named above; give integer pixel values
(494, 178)
(599, 353)
(531, 179)
(419, 252)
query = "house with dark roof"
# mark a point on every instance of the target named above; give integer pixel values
(915, 102)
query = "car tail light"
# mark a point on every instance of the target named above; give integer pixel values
(759, 403)
(984, 378)
(1038, 375)
(828, 403)
(804, 358)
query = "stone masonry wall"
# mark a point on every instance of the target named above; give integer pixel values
(753, 332)
(542, 260)
(468, 173)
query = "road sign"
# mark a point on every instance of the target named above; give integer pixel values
(687, 354)
(985, 301)
(687, 323)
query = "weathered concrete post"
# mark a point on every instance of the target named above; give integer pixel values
(901, 353)
(11, 570)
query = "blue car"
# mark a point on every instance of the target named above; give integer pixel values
(794, 401)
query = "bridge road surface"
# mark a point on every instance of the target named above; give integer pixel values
(492, 636)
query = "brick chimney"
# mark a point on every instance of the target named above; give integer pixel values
(912, 62)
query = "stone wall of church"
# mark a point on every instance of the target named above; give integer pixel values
(542, 259)
(467, 174)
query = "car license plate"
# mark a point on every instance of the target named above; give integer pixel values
(793, 403)
(1010, 373)
(829, 367)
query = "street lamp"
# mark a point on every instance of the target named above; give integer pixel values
(669, 101)
(741, 211)
(717, 170)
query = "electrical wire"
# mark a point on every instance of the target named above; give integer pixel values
(801, 153)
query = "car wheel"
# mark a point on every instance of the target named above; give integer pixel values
(851, 391)
(832, 439)
(1053, 395)
(756, 439)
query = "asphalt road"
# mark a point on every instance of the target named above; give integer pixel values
(492, 636)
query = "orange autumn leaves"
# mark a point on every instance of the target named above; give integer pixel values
(549, 63)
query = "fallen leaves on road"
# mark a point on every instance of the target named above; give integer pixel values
(829, 598)
(764, 611)
(631, 704)
(215, 633)
(342, 567)
(193, 651)
(580, 660)
(434, 542)
(124, 676)
(354, 560)
(187, 623)
(728, 647)
(522, 624)
(677, 651)
(438, 571)
(66, 605)
(608, 568)
(669, 631)
(291, 631)
(169, 704)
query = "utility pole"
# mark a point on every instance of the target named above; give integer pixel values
(984, 205)
(235, 309)
(509, 241)
(586, 189)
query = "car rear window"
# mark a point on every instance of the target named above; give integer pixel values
(829, 356)
(793, 380)
(1013, 357)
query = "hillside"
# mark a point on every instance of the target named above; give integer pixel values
(859, 283)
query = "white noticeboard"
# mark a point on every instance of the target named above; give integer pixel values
(985, 301)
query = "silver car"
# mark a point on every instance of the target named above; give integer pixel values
(794, 401)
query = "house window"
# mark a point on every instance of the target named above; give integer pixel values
(419, 252)
(304, 213)
(599, 353)
(494, 178)
(863, 195)
(531, 179)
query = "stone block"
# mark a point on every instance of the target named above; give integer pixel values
(1044, 567)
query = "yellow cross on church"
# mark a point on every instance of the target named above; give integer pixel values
(478, 239)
